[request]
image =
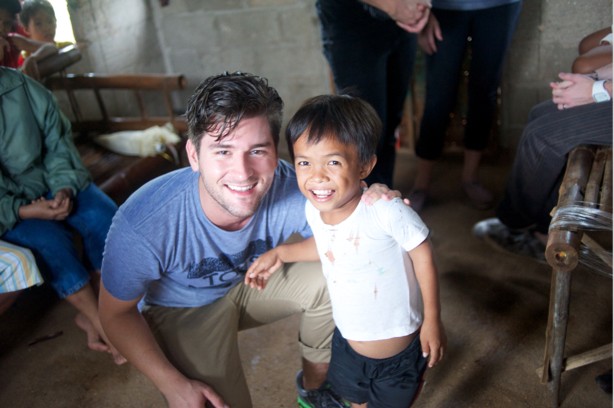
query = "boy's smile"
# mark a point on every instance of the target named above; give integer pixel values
(329, 174)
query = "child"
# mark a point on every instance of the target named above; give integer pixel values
(12, 43)
(377, 260)
(38, 20)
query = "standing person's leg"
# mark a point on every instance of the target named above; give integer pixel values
(360, 62)
(443, 71)
(491, 32)
(399, 72)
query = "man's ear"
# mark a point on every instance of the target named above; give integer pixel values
(192, 155)
(366, 168)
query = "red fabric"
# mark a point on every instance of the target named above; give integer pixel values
(11, 57)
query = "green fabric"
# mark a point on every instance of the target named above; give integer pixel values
(37, 154)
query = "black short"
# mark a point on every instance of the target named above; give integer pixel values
(383, 383)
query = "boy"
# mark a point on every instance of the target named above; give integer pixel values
(376, 259)
(38, 20)
(12, 43)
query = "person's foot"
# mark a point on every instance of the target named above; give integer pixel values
(323, 397)
(605, 381)
(480, 197)
(498, 235)
(95, 342)
(417, 199)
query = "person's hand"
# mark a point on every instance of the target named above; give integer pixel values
(377, 191)
(427, 39)
(63, 198)
(262, 268)
(433, 341)
(574, 90)
(411, 17)
(194, 394)
(45, 210)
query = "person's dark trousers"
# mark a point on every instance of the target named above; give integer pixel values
(491, 32)
(541, 157)
(373, 58)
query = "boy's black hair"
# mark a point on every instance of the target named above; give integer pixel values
(220, 102)
(348, 119)
(12, 6)
(31, 7)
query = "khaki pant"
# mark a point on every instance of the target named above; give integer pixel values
(202, 342)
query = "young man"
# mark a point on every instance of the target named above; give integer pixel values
(183, 242)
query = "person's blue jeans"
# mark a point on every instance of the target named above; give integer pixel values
(53, 243)
(372, 58)
(491, 32)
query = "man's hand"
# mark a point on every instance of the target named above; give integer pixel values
(573, 90)
(194, 394)
(378, 191)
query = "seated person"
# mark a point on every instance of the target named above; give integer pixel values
(46, 194)
(18, 271)
(555, 128)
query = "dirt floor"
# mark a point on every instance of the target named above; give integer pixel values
(495, 310)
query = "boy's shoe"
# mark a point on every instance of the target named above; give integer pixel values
(323, 397)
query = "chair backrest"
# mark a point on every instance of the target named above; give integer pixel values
(139, 85)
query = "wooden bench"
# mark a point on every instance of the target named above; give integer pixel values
(582, 215)
(100, 104)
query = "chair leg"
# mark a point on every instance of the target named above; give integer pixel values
(560, 314)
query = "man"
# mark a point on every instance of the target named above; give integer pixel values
(183, 242)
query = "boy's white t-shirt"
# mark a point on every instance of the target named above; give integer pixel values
(370, 276)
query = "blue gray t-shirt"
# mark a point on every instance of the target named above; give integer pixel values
(162, 245)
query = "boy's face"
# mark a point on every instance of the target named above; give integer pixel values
(6, 23)
(236, 172)
(329, 175)
(41, 27)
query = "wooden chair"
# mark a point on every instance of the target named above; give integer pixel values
(586, 187)
(110, 103)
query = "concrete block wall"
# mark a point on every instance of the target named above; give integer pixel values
(279, 39)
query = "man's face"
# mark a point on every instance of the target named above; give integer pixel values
(236, 172)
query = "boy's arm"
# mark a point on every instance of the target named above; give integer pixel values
(263, 267)
(432, 336)
(25, 43)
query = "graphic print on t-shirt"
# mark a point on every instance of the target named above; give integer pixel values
(224, 270)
